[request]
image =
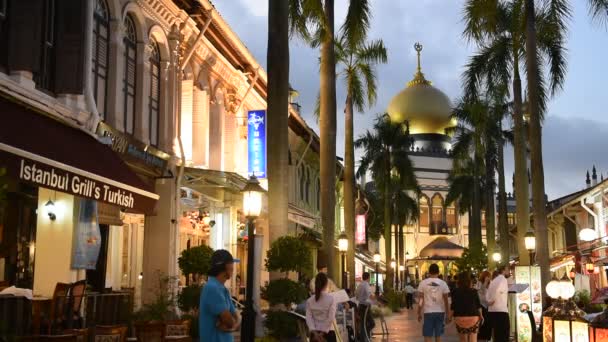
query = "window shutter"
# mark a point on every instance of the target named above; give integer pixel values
(24, 36)
(69, 65)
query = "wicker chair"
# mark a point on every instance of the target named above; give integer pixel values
(81, 334)
(110, 333)
(178, 330)
(57, 316)
(76, 296)
(151, 331)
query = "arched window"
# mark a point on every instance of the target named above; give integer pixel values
(318, 194)
(302, 181)
(130, 74)
(437, 213)
(154, 97)
(101, 56)
(424, 212)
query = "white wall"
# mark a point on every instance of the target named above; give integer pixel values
(53, 250)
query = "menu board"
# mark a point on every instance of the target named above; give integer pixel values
(530, 299)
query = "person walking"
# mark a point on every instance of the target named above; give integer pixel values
(409, 296)
(466, 309)
(497, 297)
(434, 304)
(363, 295)
(485, 331)
(218, 317)
(321, 312)
(331, 286)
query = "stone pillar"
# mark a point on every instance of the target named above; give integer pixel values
(200, 127)
(216, 144)
(158, 256)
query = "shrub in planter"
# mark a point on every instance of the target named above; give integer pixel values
(189, 298)
(395, 300)
(195, 261)
(284, 291)
(288, 253)
(162, 308)
(281, 324)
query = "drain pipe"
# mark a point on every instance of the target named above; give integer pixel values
(95, 118)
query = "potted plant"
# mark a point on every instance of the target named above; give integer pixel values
(286, 254)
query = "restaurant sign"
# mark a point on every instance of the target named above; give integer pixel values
(133, 151)
(256, 143)
(53, 175)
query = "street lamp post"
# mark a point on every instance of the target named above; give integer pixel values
(530, 242)
(252, 206)
(343, 247)
(377, 261)
(402, 273)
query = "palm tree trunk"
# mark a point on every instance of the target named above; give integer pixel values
(475, 242)
(503, 224)
(388, 283)
(349, 189)
(522, 204)
(327, 125)
(490, 209)
(401, 254)
(278, 97)
(536, 151)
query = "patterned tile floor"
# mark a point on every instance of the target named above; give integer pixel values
(405, 327)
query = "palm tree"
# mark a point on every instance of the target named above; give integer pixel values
(278, 88)
(499, 31)
(385, 155)
(357, 59)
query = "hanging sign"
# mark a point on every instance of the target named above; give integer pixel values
(256, 143)
(360, 229)
(87, 237)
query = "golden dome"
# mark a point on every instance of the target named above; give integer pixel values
(426, 108)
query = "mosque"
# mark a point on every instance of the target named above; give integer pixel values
(440, 234)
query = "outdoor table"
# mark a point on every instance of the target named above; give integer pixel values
(40, 305)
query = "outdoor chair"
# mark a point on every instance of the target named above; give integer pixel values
(110, 333)
(57, 315)
(536, 335)
(76, 296)
(151, 331)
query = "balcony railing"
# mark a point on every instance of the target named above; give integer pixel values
(442, 228)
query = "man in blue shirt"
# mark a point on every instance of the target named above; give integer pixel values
(217, 316)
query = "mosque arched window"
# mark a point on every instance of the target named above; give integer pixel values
(437, 210)
(424, 212)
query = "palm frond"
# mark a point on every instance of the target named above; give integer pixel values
(373, 52)
(598, 10)
(480, 19)
(355, 90)
(357, 22)
(369, 79)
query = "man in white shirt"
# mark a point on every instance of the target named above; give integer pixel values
(434, 303)
(363, 295)
(497, 297)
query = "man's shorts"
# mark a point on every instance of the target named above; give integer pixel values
(433, 324)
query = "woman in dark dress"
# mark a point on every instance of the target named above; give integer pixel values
(466, 309)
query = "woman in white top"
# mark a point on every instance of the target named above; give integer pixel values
(321, 312)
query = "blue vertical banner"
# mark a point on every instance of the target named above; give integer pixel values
(87, 237)
(256, 143)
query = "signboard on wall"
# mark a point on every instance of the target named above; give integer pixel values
(531, 299)
(256, 143)
(360, 229)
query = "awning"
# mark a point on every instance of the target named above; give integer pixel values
(299, 216)
(37, 149)
(212, 183)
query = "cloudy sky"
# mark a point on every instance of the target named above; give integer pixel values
(576, 127)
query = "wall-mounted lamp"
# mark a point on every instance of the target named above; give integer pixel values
(140, 276)
(50, 209)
